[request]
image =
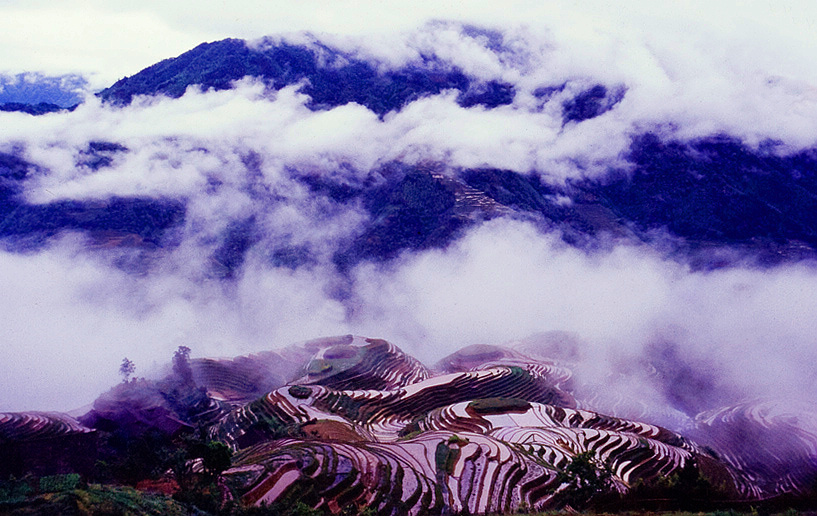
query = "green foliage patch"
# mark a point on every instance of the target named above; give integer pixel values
(93, 500)
(300, 392)
(498, 405)
(583, 479)
(57, 483)
(446, 457)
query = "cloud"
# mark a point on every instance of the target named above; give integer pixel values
(176, 144)
(641, 42)
(747, 331)
(72, 318)
(506, 281)
(77, 37)
(702, 68)
(740, 332)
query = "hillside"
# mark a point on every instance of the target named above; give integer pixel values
(694, 199)
(360, 423)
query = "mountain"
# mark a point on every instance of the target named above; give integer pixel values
(139, 222)
(38, 94)
(305, 214)
(712, 201)
(697, 197)
(716, 191)
(64, 91)
(332, 77)
(40, 108)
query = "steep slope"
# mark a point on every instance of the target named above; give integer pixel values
(331, 77)
(717, 191)
(45, 444)
(131, 221)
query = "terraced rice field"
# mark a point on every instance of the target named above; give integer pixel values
(489, 432)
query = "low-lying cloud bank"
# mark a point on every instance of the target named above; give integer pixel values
(71, 317)
(248, 165)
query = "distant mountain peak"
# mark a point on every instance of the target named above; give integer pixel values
(32, 88)
(332, 78)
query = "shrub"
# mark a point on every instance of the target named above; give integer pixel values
(498, 405)
(57, 483)
(300, 392)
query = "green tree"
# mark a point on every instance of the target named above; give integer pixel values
(126, 369)
(216, 457)
(181, 365)
(583, 479)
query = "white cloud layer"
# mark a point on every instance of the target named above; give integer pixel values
(655, 41)
(71, 318)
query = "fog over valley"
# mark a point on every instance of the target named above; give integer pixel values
(631, 195)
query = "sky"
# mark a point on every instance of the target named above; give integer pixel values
(692, 69)
(109, 39)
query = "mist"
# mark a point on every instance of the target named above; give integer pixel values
(72, 317)
(75, 307)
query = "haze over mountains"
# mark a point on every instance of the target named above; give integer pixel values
(459, 186)
(642, 225)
